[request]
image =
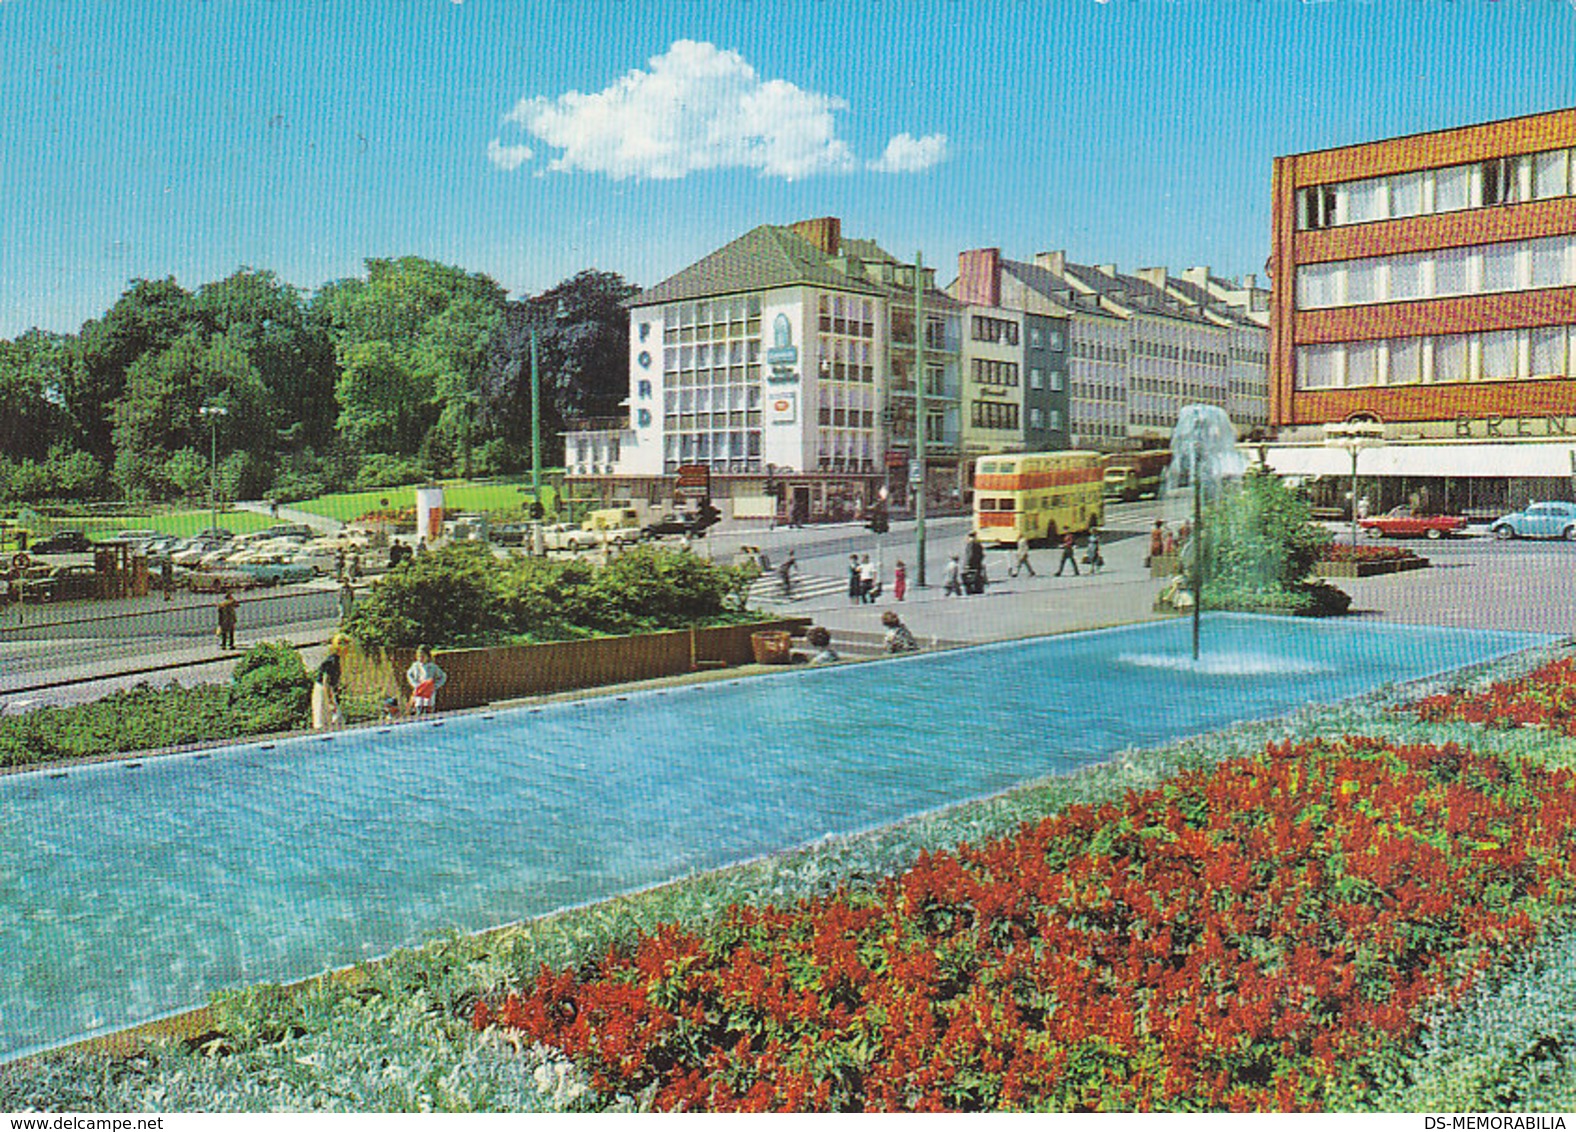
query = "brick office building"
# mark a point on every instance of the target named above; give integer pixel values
(1429, 283)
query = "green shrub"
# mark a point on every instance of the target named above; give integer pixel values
(444, 597)
(465, 595)
(1260, 543)
(269, 691)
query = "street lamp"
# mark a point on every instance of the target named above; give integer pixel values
(213, 413)
(1354, 436)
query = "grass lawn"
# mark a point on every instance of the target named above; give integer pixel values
(457, 495)
(170, 522)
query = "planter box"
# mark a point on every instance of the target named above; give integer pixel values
(1368, 569)
(486, 675)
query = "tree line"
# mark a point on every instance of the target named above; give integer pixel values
(414, 369)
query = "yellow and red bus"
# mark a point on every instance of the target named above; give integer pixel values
(1041, 495)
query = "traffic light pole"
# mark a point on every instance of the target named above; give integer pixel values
(919, 418)
(536, 424)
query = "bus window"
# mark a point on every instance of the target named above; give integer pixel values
(1005, 504)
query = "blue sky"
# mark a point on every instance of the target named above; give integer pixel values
(532, 140)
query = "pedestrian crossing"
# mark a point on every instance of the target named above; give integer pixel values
(768, 590)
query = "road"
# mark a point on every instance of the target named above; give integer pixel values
(79, 651)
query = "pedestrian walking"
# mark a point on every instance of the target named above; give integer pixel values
(325, 687)
(167, 577)
(347, 600)
(1092, 556)
(899, 580)
(1069, 554)
(854, 590)
(973, 553)
(898, 638)
(785, 574)
(355, 564)
(425, 678)
(953, 579)
(227, 616)
(1020, 560)
(1157, 542)
(869, 580)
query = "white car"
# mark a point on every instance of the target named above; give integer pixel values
(568, 536)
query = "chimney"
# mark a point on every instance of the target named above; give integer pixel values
(1106, 269)
(979, 277)
(826, 233)
(1197, 275)
(1153, 275)
(1052, 261)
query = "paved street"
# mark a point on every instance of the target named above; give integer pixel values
(80, 651)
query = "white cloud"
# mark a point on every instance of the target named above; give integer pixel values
(908, 154)
(508, 157)
(697, 108)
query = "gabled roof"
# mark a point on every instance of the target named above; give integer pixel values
(764, 257)
(1054, 289)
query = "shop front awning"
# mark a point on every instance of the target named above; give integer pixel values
(1418, 461)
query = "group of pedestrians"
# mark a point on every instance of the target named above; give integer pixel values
(864, 580)
(424, 676)
(966, 574)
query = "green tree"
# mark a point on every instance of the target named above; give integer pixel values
(159, 412)
(147, 318)
(35, 370)
(411, 341)
(582, 351)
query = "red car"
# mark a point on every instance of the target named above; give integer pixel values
(1402, 522)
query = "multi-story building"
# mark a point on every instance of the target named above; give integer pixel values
(785, 363)
(1129, 350)
(1428, 283)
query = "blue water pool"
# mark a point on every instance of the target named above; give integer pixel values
(127, 892)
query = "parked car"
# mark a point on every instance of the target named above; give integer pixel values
(510, 534)
(63, 542)
(1537, 520)
(60, 583)
(672, 525)
(276, 573)
(567, 536)
(221, 581)
(1403, 522)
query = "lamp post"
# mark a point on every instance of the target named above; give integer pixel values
(213, 413)
(1354, 436)
(919, 420)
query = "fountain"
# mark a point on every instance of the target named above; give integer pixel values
(1203, 455)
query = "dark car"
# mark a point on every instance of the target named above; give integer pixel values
(510, 534)
(60, 583)
(672, 525)
(63, 542)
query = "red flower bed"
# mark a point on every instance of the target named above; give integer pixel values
(1545, 697)
(1233, 939)
(1345, 552)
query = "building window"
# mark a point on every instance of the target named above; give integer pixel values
(1405, 361)
(1500, 356)
(1317, 207)
(1453, 188)
(1551, 174)
(1319, 367)
(1036, 337)
(1450, 358)
(1037, 418)
(988, 371)
(1362, 363)
(995, 414)
(987, 329)
(1501, 180)
(1367, 200)
(1056, 420)
(1547, 345)
(1036, 378)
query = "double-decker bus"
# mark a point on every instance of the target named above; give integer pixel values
(1038, 495)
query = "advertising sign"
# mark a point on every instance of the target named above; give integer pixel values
(784, 407)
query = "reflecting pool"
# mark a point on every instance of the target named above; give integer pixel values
(132, 889)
